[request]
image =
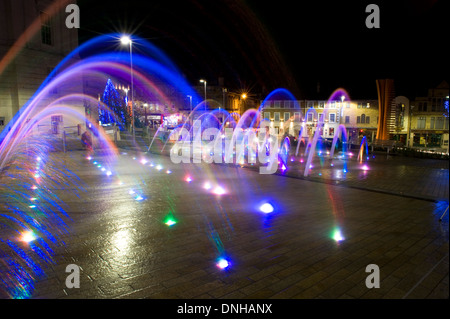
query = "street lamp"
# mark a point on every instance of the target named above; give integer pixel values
(126, 40)
(204, 84)
(243, 97)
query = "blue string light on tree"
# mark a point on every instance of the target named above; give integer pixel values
(114, 110)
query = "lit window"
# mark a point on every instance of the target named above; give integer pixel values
(277, 116)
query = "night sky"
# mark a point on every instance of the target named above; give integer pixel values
(263, 45)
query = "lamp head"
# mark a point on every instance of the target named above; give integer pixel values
(125, 40)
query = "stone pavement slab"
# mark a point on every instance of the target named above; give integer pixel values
(316, 244)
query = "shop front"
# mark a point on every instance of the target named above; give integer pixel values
(428, 138)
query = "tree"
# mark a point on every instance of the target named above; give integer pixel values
(115, 110)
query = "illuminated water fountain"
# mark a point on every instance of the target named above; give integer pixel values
(33, 215)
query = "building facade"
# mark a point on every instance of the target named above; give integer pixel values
(358, 118)
(34, 39)
(430, 118)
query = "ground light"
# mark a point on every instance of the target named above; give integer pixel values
(170, 220)
(266, 208)
(219, 190)
(222, 263)
(28, 236)
(207, 185)
(337, 235)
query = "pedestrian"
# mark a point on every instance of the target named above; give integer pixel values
(86, 140)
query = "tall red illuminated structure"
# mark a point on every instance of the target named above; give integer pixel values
(386, 95)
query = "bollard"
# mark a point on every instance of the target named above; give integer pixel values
(64, 141)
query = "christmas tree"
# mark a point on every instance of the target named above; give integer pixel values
(115, 110)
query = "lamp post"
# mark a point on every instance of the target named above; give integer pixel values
(204, 84)
(410, 136)
(145, 112)
(126, 40)
(190, 107)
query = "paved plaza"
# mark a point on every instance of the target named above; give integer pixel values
(322, 234)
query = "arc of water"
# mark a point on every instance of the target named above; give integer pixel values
(299, 140)
(311, 151)
(361, 149)
(341, 132)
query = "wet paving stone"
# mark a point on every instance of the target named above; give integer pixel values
(116, 232)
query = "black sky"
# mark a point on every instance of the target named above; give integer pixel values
(263, 45)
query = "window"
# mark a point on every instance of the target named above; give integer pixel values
(367, 119)
(287, 116)
(277, 116)
(277, 104)
(433, 105)
(332, 117)
(432, 123)
(439, 123)
(2, 121)
(321, 117)
(347, 120)
(287, 104)
(297, 117)
(321, 105)
(46, 29)
(358, 119)
(359, 105)
(363, 118)
(421, 121)
(310, 117)
(267, 115)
